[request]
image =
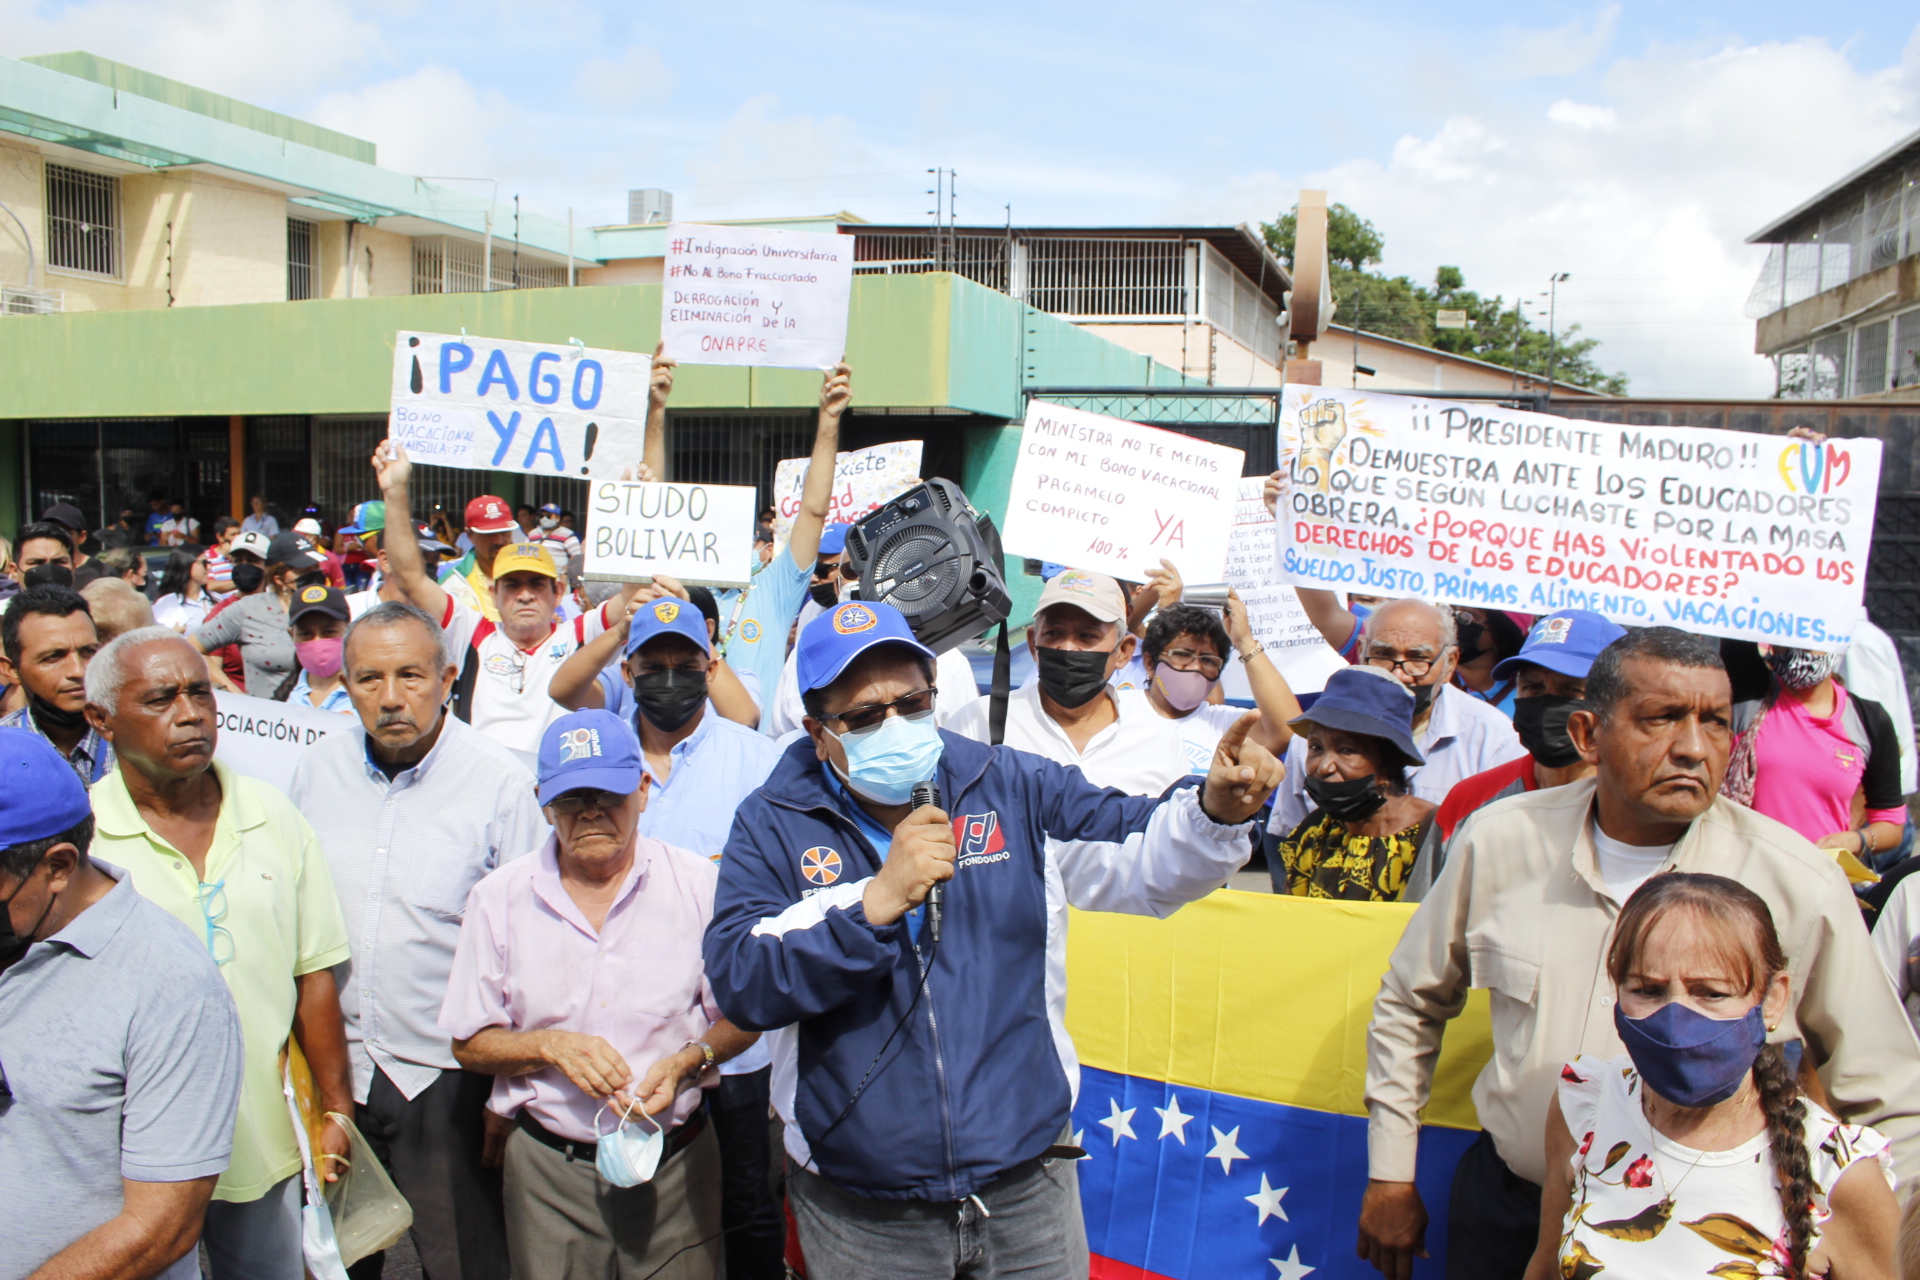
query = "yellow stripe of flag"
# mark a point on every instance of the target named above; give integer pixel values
(1254, 994)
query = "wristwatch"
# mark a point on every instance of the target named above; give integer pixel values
(706, 1052)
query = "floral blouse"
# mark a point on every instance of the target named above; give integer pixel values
(1324, 861)
(1647, 1207)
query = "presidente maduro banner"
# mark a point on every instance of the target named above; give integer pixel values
(1727, 533)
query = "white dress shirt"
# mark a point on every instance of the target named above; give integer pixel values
(404, 855)
(1463, 736)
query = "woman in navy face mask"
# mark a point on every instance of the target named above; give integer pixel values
(1695, 1153)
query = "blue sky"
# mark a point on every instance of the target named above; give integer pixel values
(1633, 145)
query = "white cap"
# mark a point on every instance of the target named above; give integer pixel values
(309, 526)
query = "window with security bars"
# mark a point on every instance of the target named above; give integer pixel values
(83, 221)
(1906, 349)
(302, 259)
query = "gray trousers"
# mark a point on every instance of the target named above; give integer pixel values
(1031, 1228)
(565, 1222)
(257, 1239)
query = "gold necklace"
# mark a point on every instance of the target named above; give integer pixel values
(1669, 1193)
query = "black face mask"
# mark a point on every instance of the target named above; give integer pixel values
(1072, 677)
(825, 593)
(1470, 637)
(1423, 696)
(1351, 801)
(49, 716)
(317, 578)
(248, 577)
(14, 945)
(669, 698)
(1542, 725)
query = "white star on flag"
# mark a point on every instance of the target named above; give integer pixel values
(1173, 1120)
(1291, 1268)
(1076, 1139)
(1121, 1122)
(1226, 1148)
(1267, 1200)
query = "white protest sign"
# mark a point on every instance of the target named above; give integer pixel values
(1115, 497)
(535, 408)
(698, 533)
(742, 295)
(863, 480)
(1726, 533)
(265, 739)
(1273, 608)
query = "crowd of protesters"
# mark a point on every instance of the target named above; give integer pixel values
(610, 925)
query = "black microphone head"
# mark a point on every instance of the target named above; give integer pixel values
(926, 793)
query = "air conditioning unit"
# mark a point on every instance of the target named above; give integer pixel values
(649, 204)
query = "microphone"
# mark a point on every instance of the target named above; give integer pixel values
(928, 793)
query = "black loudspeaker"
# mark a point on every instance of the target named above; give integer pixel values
(930, 555)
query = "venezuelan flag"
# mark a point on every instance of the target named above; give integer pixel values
(1224, 1059)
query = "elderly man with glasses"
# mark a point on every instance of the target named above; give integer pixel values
(234, 861)
(1458, 734)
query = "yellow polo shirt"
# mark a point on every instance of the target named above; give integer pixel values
(284, 919)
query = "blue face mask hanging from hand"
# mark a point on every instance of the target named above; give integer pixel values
(883, 766)
(1686, 1057)
(628, 1156)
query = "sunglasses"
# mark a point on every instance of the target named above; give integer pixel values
(574, 803)
(866, 719)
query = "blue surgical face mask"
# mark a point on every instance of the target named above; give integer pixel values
(883, 766)
(628, 1156)
(1686, 1057)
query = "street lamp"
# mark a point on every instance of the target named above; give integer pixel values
(1553, 334)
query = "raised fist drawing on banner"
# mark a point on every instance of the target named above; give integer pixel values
(1323, 425)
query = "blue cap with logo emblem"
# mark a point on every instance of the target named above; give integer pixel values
(669, 615)
(40, 794)
(1567, 642)
(594, 749)
(843, 633)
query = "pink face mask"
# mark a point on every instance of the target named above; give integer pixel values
(320, 658)
(1185, 690)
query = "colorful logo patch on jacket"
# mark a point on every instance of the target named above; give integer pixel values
(977, 838)
(750, 631)
(851, 619)
(820, 865)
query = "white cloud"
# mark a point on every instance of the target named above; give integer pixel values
(1645, 196)
(759, 150)
(639, 75)
(245, 49)
(1556, 51)
(429, 122)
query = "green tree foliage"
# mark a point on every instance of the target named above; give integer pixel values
(1396, 307)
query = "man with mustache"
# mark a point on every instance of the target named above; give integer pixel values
(232, 860)
(413, 808)
(1524, 908)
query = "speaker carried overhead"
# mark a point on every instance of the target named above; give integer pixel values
(930, 555)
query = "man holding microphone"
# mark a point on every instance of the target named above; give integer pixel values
(922, 1076)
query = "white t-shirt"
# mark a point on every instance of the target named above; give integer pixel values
(510, 702)
(176, 531)
(358, 602)
(1200, 731)
(1625, 867)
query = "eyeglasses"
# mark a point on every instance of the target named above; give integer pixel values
(213, 909)
(1187, 660)
(1415, 667)
(575, 803)
(859, 720)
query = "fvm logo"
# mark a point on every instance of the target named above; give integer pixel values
(977, 834)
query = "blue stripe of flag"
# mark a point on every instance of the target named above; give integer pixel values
(1165, 1205)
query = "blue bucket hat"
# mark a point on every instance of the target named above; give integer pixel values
(668, 615)
(1566, 642)
(1366, 701)
(594, 749)
(843, 633)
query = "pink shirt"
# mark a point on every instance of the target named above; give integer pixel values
(529, 961)
(1806, 769)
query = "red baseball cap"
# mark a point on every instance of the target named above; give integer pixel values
(488, 514)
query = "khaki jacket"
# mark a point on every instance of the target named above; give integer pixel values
(1520, 910)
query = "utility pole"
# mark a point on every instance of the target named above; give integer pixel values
(1553, 334)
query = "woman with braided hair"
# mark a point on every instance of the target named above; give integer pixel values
(1695, 1153)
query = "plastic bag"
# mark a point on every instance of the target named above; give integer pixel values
(317, 1243)
(369, 1213)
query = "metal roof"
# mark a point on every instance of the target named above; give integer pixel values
(1906, 149)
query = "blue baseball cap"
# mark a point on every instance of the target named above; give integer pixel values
(1567, 642)
(1367, 701)
(669, 615)
(843, 633)
(594, 749)
(40, 794)
(551, 508)
(833, 539)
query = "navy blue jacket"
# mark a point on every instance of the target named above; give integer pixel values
(972, 1084)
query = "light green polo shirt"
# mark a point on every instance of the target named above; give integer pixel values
(284, 920)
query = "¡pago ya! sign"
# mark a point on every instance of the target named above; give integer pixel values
(1725, 533)
(698, 533)
(497, 405)
(744, 295)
